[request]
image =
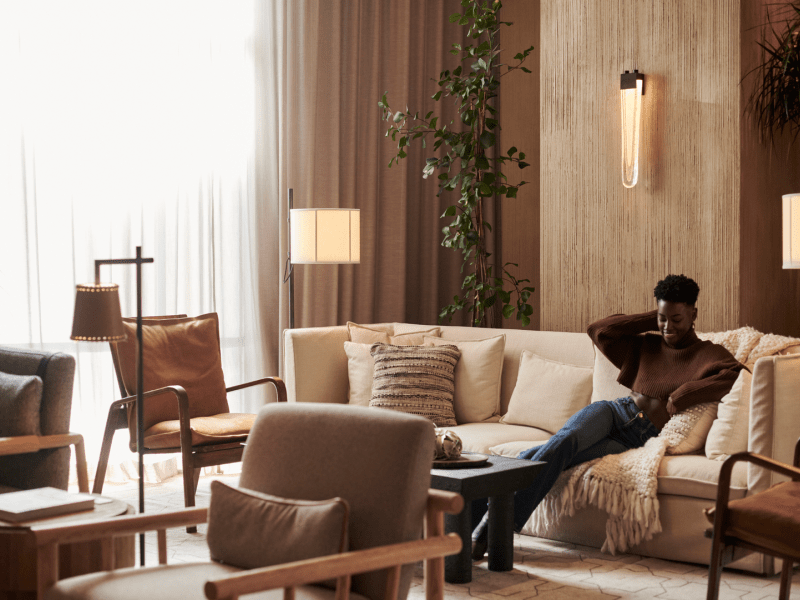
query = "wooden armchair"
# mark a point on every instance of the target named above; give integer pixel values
(378, 461)
(185, 403)
(34, 425)
(767, 522)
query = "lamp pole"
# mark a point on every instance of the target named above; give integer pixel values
(138, 261)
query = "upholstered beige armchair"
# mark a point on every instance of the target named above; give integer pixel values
(363, 474)
(35, 406)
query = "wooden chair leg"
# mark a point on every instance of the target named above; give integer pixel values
(80, 466)
(715, 567)
(786, 579)
(190, 477)
(112, 424)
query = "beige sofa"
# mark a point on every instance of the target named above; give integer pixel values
(316, 370)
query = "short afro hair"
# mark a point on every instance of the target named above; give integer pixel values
(677, 288)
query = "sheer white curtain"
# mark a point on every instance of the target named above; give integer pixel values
(125, 124)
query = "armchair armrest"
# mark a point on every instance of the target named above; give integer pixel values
(302, 572)
(280, 387)
(25, 444)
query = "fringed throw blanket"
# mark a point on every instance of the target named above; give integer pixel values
(625, 485)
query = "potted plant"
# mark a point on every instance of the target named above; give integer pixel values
(469, 164)
(774, 101)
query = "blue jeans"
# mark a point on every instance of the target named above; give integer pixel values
(602, 428)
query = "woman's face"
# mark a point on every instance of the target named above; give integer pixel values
(675, 320)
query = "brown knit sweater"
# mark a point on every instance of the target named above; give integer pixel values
(698, 372)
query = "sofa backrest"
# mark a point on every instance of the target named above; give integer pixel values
(570, 348)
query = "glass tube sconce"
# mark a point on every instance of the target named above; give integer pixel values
(791, 231)
(631, 91)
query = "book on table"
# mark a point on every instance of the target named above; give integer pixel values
(41, 503)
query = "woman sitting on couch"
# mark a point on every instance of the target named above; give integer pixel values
(667, 373)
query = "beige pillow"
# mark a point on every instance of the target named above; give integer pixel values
(729, 431)
(478, 375)
(604, 379)
(418, 380)
(248, 529)
(547, 393)
(360, 366)
(368, 335)
(694, 424)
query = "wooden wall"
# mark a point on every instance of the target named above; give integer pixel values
(707, 203)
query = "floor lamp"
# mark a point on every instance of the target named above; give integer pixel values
(791, 231)
(321, 236)
(98, 318)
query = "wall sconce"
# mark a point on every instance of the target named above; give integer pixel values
(631, 91)
(791, 231)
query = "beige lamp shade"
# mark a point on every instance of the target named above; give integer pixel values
(97, 317)
(325, 236)
(791, 231)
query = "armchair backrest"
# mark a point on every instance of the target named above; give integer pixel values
(57, 372)
(179, 350)
(376, 459)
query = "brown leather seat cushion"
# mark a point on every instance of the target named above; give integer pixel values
(205, 430)
(770, 519)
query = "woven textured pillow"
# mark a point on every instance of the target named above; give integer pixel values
(248, 529)
(20, 400)
(419, 380)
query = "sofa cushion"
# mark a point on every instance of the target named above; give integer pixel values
(360, 367)
(485, 437)
(696, 476)
(729, 431)
(226, 427)
(547, 393)
(181, 351)
(361, 334)
(687, 475)
(699, 419)
(248, 529)
(478, 377)
(604, 379)
(417, 380)
(20, 401)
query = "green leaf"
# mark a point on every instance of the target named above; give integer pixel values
(508, 310)
(436, 96)
(522, 156)
(511, 193)
(482, 164)
(485, 189)
(455, 17)
(522, 165)
(512, 150)
(451, 211)
(487, 139)
(398, 116)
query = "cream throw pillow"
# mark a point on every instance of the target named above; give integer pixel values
(360, 366)
(695, 423)
(478, 376)
(547, 393)
(729, 432)
(604, 379)
(367, 335)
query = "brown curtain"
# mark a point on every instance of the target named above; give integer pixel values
(322, 67)
(354, 51)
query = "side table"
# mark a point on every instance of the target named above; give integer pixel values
(18, 577)
(497, 479)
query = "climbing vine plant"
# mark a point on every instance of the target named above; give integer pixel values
(468, 163)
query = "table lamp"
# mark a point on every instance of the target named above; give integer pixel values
(98, 318)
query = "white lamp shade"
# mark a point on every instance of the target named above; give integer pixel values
(325, 236)
(791, 231)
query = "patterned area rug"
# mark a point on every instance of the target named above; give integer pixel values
(543, 569)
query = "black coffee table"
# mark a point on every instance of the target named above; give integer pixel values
(497, 480)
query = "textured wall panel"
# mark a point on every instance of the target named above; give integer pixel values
(603, 247)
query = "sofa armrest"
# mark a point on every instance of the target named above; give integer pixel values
(315, 364)
(774, 416)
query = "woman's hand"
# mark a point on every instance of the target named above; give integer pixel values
(671, 409)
